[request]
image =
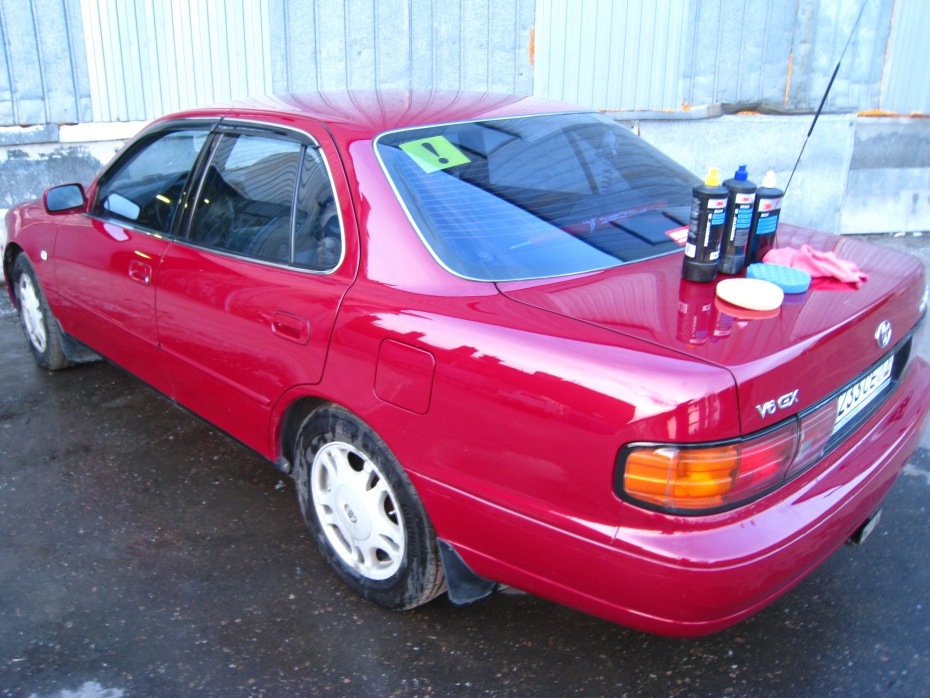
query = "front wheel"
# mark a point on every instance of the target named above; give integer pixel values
(39, 325)
(361, 508)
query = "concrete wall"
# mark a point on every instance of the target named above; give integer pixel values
(33, 159)
(888, 183)
(857, 174)
(815, 197)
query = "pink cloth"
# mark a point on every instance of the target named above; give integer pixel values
(817, 264)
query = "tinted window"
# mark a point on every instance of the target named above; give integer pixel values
(318, 237)
(270, 199)
(537, 196)
(145, 185)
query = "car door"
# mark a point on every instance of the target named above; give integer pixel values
(247, 297)
(107, 260)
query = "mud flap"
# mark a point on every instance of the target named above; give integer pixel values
(464, 586)
(75, 351)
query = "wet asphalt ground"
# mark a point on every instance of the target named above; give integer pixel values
(143, 553)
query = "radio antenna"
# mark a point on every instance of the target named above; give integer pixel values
(826, 92)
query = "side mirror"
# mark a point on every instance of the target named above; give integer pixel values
(67, 197)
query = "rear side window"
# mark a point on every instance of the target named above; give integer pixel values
(145, 185)
(270, 199)
(537, 196)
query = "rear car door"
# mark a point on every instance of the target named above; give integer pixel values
(107, 261)
(247, 297)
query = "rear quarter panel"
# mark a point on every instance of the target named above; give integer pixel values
(523, 408)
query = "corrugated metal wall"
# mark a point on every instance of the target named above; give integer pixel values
(819, 33)
(905, 86)
(448, 44)
(43, 74)
(148, 58)
(66, 61)
(673, 54)
(608, 54)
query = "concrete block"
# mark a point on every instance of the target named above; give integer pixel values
(27, 171)
(888, 188)
(887, 200)
(20, 135)
(765, 142)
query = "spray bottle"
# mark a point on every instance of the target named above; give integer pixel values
(705, 229)
(738, 221)
(765, 218)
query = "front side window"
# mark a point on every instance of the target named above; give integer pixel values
(145, 185)
(270, 199)
(535, 197)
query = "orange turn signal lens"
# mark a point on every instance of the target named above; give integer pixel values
(703, 478)
(674, 477)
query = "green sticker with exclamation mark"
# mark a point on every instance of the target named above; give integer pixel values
(434, 153)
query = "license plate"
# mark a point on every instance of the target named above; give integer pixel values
(857, 397)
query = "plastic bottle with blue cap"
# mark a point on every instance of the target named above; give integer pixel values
(742, 197)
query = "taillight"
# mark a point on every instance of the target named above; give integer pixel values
(692, 479)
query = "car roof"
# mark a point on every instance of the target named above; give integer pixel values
(365, 114)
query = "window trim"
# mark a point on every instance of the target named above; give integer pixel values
(264, 129)
(143, 139)
(375, 142)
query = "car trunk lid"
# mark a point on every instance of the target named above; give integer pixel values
(833, 337)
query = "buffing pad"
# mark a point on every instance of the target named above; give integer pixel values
(788, 279)
(753, 294)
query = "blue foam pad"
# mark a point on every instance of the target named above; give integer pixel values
(788, 279)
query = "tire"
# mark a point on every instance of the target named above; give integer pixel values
(38, 322)
(361, 508)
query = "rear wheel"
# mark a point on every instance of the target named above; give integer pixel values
(363, 512)
(39, 325)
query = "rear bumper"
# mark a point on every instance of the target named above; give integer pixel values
(704, 580)
(687, 576)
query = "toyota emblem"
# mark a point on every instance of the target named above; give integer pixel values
(883, 334)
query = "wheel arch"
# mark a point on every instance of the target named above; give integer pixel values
(10, 253)
(325, 423)
(286, 426)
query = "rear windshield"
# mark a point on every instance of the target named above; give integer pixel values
(538, 196)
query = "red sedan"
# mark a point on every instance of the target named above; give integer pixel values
(458, 321)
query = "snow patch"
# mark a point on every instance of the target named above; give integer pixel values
(90, 689)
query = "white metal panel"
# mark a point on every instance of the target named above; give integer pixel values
(447, 44)
(905, 87)
(75, 60)
(444, 44)
(147, 58)
(781, 54)
(671, 54)
(127, 60)
(612, 54)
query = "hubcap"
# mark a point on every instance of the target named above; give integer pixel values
(31, 312)
(358, 511)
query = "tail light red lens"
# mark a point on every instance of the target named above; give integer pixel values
(705, 478)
